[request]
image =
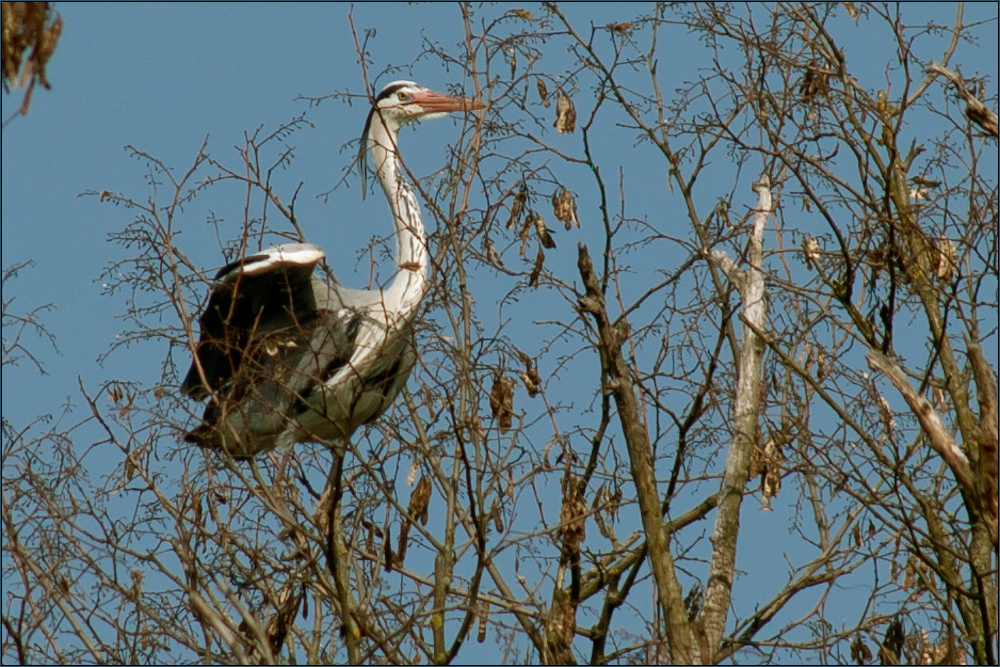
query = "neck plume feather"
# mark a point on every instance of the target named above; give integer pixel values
(409, 284)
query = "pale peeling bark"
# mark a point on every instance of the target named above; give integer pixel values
(938, 434)
(750, 283)
(975, 110)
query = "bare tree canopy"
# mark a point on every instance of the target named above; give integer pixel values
(728, 394)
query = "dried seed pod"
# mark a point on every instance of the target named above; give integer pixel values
(810, 246)
(947, 263)
(532, 380)
(543, 92)
(536, 271)
(420, 500)
(565, 114)
(502, 402)
(492, 255)
(860, 653)
(517, 206)
(572, 515)
(387, 550)
(815, 82)
(496, 515)
(543, 232)
(615, 503)
(771, 479)
(599, 505)
(484, 613)
(564, 208)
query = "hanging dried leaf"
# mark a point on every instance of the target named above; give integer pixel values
(947, 259)
(124, 409)
(28, 28)
(815, 82)
(420, 500)
(492, 255)
(572, 516)
(810, 247)
(543, 91)
(278, 625)
(565, 114)
(517, 206)
(502, 402)
(599, 505)
(532, 380)
(892, 646)
(496, 515)
(525, 235)
(771, 479)
(536, 270)
(543, 232)
(564, 208)
(484, 612)
(404, 541)
(430, 402)
(860, 653)
(387, 549)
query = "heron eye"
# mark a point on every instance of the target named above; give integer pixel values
(402, 97)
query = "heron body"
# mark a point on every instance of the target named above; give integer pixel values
(286, 356)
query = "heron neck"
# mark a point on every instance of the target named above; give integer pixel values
(409, 284)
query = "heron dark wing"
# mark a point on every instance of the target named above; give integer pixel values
(255, 297)
(278, 374)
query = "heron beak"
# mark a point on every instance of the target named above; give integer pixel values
(432, 102)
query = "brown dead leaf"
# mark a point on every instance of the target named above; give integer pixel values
(517, 206)
(543, 232)
(947, 259)
(543, 92)
(565, 114)
(484, 613)
(564, 208)
(536, 270)
(502, 402)
(420, 500)
(810, 247)
(496, 515)
(532, 380)
(771, 480)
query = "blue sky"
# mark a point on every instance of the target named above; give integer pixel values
(162, 78)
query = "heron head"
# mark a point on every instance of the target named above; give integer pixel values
(402, 102)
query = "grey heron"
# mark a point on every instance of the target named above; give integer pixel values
(286, 356)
